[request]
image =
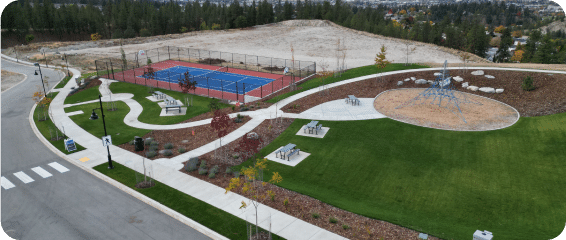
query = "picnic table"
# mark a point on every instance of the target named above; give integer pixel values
(158, 94)
(353, 99)
(310, 126)
(170, 101)
(285, 149)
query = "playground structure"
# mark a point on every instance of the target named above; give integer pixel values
(443, 94)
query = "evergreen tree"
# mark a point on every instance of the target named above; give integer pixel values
(546, 53)
(502, 53)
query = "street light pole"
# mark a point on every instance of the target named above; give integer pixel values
(67, 63)
(41, 75)
(94, 117)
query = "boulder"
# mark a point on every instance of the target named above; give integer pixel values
(465, 85)
(458, 79)
(436, 74)
(399, 83)
(489, 76)
(473, 88)
(487, 89)
(407, 79)
(430, 82)
(477, 73)
(499, 90)
(421, 81)
(413, 78)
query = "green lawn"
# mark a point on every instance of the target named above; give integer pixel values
(121, 133)
(151, 110)
(215, 219)
(45, 126)
(352, 73)
(83, 96)
(448, 184)
(63, 82)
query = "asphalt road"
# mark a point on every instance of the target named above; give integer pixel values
(65, 205)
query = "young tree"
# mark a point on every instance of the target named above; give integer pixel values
(253, 185)
(249, 145)
(518, 56)
(221, 122)
(149, 73)
(381, 61)
(187, 85)
(502, 53)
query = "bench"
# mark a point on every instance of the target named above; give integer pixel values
(293, 152)
(172, 106)
(319, 127)
(305, 128)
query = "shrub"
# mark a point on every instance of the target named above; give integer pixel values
(228, 170)
(129, 33)
(148, 141)
(150, 154)
(203, 164)
(132, 142)
(528, 84)
(286, 202)
(191, 164)
(153, 148)
(144, 32)
(214, 104)
(154, 143)
(236, 174)
(214, 169)
(239, 116)
(168, 146)
(211, 175)
(345, 227)
(237, 120)
(29, 38)
(181, 150)
(315, 215)
(202, 171)
(233, 108)
(333, 220)
(167, 153)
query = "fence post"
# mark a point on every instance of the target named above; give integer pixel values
(222, 86)
(245, 61)
(237, 99)
(232, 60)
(221, 59)
(261, 89)
(135, 81)
(123, 72)
(169, 73)
(96, 66)
(178, 54)
(169, 52)
(257, 63)
(271, 67)
(271, 86)
(244, 92)
(198, 55)
(189, 53)
(207, 86)
(157, 54)
(112, 70)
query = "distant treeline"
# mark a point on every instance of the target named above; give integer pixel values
(458, 26)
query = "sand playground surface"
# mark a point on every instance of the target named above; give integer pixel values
(312, 40)
(487, 115)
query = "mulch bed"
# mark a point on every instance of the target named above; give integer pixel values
(88, 84)
(548, 97)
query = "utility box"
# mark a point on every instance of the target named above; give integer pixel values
(485, 235)
(138, 144)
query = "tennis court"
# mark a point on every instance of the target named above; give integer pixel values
(219, 79)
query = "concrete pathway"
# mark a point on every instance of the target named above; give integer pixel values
(167, 170)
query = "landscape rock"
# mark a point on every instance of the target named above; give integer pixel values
(407, 79)
(489, 76)
(477, 73)
(399, 83)
(487, 89)
(465, 85)
(499, 90)
(421, 81)
(436, 74)
(430, 82)
(458, 79)
(413, 78)
(473, 88)
(185, 141)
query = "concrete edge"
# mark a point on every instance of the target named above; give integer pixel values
(181, 218)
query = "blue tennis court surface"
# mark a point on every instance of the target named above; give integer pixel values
(221, 81)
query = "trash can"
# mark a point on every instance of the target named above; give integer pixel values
(485, 235)
(138, 144)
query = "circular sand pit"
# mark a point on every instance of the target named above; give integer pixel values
(488, 115)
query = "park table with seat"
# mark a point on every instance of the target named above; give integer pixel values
(310, 126)
(158, 94)
(284, 150)
(353, 99)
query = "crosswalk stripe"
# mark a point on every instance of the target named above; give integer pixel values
(23, 177)
(41, 172)
(58, 167)
(6, 184)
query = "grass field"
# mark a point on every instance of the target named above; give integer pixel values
(351, 73)
(215, 219)
(83, 96)
(448, 184)
(151, 110)
(63, 82)
(121, 133)
(45, 126)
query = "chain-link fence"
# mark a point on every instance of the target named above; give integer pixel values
(131, 68)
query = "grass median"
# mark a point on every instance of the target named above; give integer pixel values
(209, 216)
(120, 132)
(151, 110)
(349, 74)
(444, 183)
(63, 82)
(48, 129)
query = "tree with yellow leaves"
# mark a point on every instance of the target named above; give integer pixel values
(499, 29)
(380, 60)
(518, 56)
(252, 185)
(517, 34)
(402, 12)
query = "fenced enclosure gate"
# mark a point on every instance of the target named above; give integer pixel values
(131, 68)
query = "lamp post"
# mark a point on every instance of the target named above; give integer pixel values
(66, 63)
(37, 65)
(94, 117)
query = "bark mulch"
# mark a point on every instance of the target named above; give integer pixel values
(88, 84)
(548, 97)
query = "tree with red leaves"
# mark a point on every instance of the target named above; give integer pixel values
(221, 122)
(149, 73)
(249, 145)
(186, 84)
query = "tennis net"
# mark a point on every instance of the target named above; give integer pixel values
(213, 73)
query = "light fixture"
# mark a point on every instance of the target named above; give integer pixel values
(93, 116)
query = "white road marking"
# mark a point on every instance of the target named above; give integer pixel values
(41, 172)
(58, 167)
(23, 177)
(6, 184)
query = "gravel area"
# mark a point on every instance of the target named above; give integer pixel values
(548, 97)
(10, 79)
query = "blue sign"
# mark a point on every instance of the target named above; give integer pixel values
(70, 145)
